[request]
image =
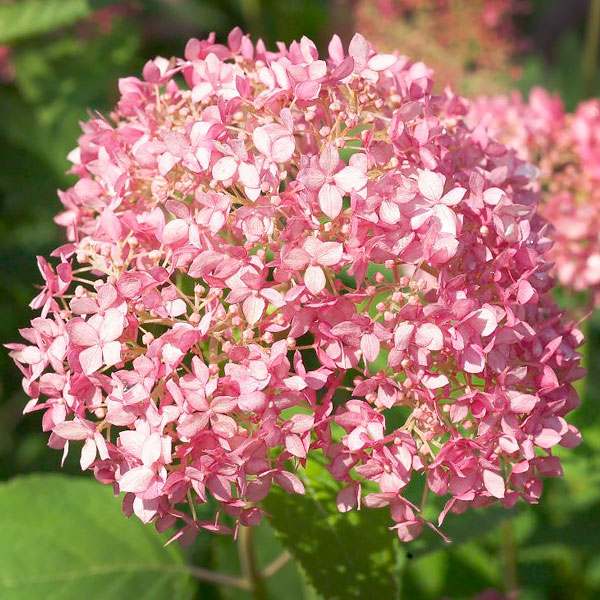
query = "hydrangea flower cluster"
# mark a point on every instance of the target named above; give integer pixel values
(273, 255)
(566, 148)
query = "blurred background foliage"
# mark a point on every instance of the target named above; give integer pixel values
(60, 59)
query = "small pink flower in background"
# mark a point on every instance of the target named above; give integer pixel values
(272, 256)
(566, 149)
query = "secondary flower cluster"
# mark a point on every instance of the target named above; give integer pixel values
(566, 148)
(273, 255)
(470, 44)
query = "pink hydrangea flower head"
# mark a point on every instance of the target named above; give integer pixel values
(274, 256)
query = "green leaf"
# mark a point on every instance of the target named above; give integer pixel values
(64, 538)
(351, 555)
(28, 18)
(60, 81)
(355, 555)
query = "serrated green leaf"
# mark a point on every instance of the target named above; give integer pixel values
(354, 555)
(65, 538)
(28, 18)
(345, 556)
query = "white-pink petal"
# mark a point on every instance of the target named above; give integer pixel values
(111, 353)
(431, 185)
(329, 254)
(136, 480)
(329, 159)
(225, 168)
(454, 196)
(151, 449)
(112, 326)
(72, 430)
(90, 359)
(330, 200)
(381, 62)
(82, 333)
(174, 231)
(429, 336)
(312, 178)
(370, 346)
(88, 454)
(283, 149)
(248, 175)
(253, 308)
(296, 259)
(314, 279)
(350, 179)
(273, 296)
(494, 483)
(295, 382)
(289, 482)
(447, 218)
(294, 445)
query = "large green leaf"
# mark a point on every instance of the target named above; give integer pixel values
(27, 18)
(355, 555)
(64, 538)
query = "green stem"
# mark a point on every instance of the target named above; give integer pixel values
(272, 568)
(249, 564)
(509, 559)
(217, 578)
(590, 53)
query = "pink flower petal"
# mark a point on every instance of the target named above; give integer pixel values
(72, 430)
(82, 333)
(329, 254)
(225, 168)
(90, 359)
(112, 325)
(330, 200)
(253, 308)
(314, 279)
(494, 483)
(431, 185)
(111, 353)
(136, 480)
(370, 346)
(350, 179)
(289, 482)
(381, 62)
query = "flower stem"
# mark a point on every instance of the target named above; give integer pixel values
(590, 52)
(218, 578)
(249, 564)
(509, 559)
(272, 568)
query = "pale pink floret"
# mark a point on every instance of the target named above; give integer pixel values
(332, 181)
(98, 336)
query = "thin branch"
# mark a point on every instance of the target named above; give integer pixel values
(249, 565)
(272, 568)
(218, 578)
